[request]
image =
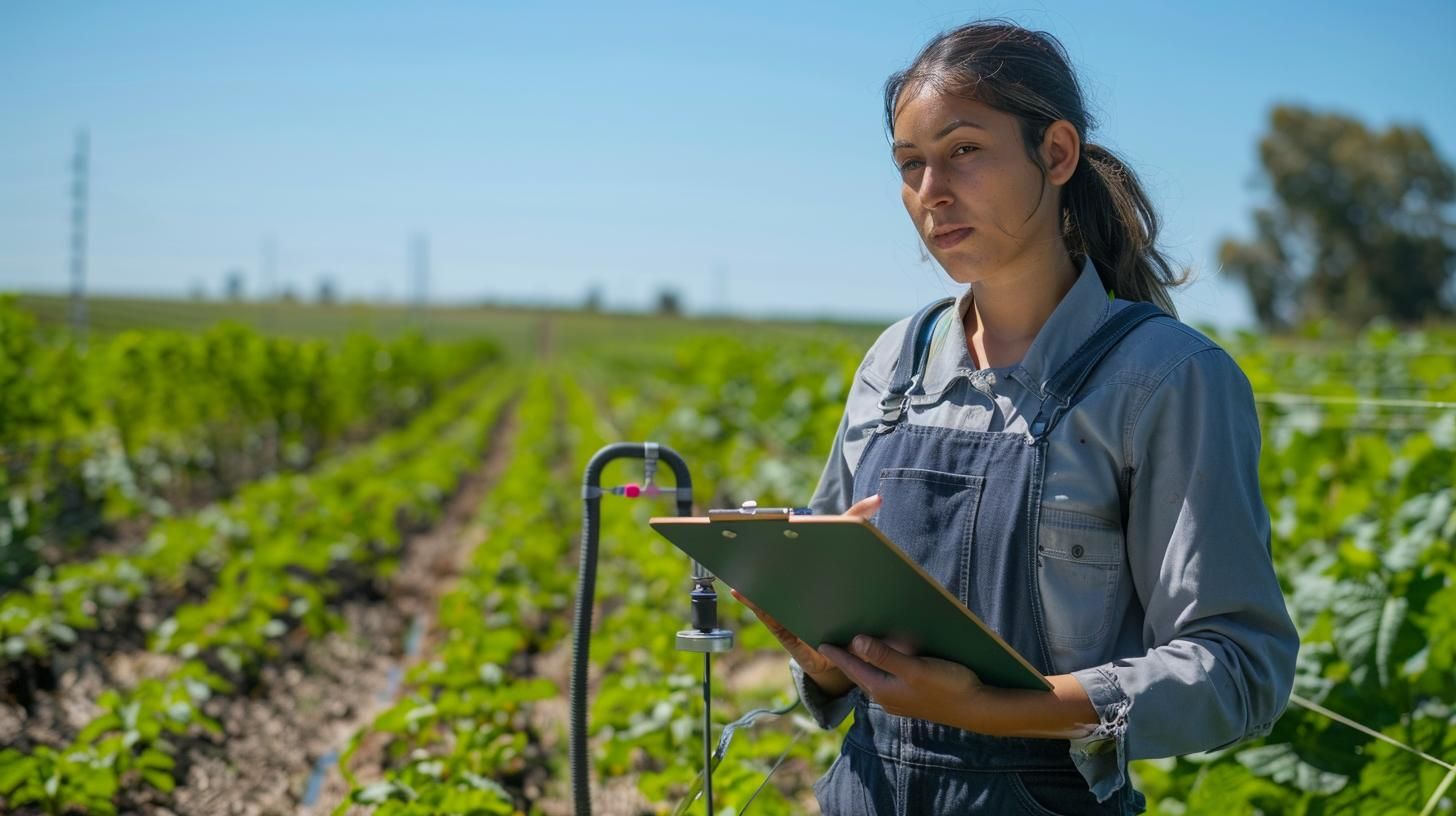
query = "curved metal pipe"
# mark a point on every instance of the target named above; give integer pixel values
(586, 592)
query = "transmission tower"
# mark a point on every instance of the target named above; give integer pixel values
(420, 269)
(268, 265)
(79, 170)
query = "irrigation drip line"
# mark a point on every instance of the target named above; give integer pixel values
(1367, 730)
(1371, 732)
(1338, 349)
(1440, 791)
(1383, 427)
(798, 732)
(747, 721)
(1280, 398)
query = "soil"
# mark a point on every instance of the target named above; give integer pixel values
(303, 707)
(434, 563)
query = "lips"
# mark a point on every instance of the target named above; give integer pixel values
(947, 238)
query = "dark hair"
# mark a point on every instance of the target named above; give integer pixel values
(1106, 214)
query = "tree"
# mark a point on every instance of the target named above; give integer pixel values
(1358, 226)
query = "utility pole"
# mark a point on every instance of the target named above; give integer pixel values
(268, 265)
(79, 169)
(420, 272)
(720, 286)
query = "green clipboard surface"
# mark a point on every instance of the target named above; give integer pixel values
(829, 578)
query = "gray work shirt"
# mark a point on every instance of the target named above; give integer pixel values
(1170, 616)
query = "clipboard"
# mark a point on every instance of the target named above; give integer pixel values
(829, 578)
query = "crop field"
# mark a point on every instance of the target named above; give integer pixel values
(306, 562)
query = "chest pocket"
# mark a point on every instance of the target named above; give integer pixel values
(931, 515)
(1081, 567)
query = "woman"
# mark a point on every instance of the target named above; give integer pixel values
(1071, 461)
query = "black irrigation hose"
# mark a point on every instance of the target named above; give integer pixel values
(586, 592)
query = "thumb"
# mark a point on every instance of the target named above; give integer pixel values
(879, 654)
(866, 507)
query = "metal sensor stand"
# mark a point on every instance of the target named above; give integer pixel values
(705, 637)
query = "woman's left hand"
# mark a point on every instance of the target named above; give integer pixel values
(925, 688)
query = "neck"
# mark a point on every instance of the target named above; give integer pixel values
(1010, 307)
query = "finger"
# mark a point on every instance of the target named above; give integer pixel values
(902, 645)
(768, 620)
(866, 507)
(778, 630)
(741, 599)
(862, 674)
(883, 656)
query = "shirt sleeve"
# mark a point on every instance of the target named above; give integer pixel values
(835, 492)
(828, 712)
(1220, 643)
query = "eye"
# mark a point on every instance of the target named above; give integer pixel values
(967, 148)
(909, 165)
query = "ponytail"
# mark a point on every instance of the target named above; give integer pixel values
(1107, 215)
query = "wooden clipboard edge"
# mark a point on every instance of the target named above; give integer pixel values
(889, 545)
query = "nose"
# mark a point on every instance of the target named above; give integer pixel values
(933, 192)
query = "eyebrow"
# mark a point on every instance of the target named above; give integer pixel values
(958, 123)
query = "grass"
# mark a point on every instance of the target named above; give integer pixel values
(522, 331)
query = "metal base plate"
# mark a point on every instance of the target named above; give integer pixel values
(717, 640)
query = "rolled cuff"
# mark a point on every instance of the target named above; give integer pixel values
(1101, 756)
(828, 712)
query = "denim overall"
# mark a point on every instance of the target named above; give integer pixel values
(966, 506)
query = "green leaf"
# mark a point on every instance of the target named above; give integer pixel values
(1359, 608)
(161, 780)
(97, 727)
(1226, 788)
(1391, 617)
(384, 791)
(15, 768)
(152, 758)
(1282, 763)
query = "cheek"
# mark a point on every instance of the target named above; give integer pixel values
(974, 177)
(911, 199)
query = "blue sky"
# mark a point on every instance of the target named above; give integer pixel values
(734, 151)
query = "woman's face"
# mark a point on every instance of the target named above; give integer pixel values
(975, 196)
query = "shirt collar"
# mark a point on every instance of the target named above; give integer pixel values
(1084, 308)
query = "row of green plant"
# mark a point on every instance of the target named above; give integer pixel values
(285, 566)
(459, 741)
(215, 545)
(149, 422)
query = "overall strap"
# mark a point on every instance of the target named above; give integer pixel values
(908, 369)
(1069, 378)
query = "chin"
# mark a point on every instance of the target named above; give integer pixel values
(964, 273)
(969, 268)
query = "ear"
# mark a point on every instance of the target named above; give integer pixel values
(1061, 149)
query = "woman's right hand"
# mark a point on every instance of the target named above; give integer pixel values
(817, 666)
